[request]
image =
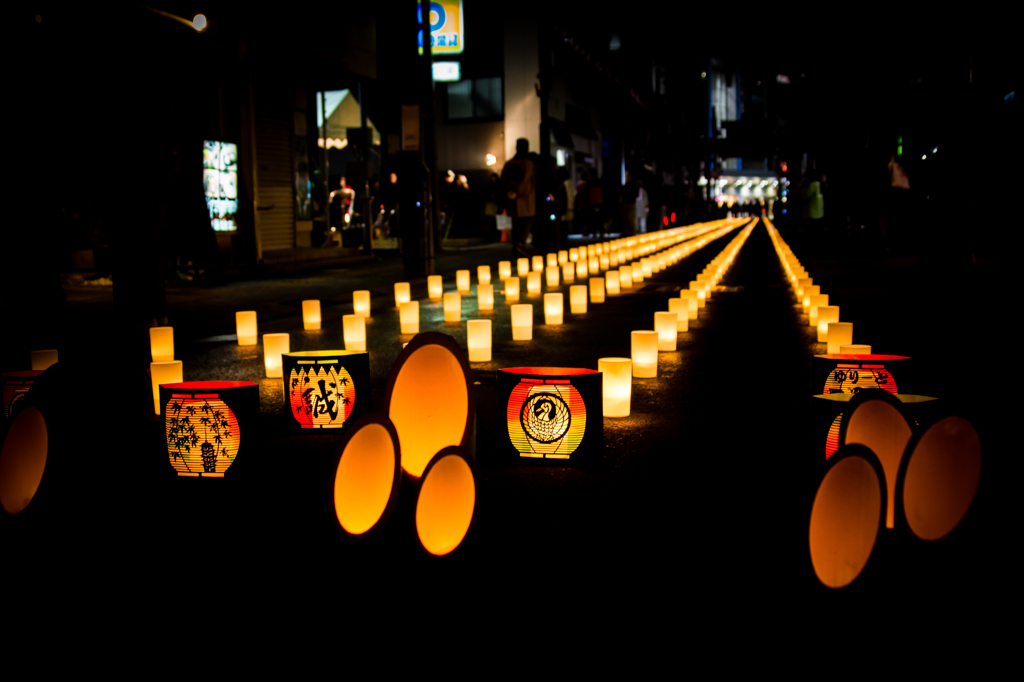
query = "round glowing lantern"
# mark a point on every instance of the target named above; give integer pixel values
(367, 476)
(326, 389)
(207, 423)
(847, 514)
(14, 386)
(446, 501)
(430, 399)
(852, 373)
(552, 412)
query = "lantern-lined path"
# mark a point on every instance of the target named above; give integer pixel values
(699, 506)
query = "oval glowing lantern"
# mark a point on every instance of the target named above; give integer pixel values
(367, 476)
(206, 424)
(430, 399)
(552, 412)
(326, 389)
(846, 517)
(445, 501)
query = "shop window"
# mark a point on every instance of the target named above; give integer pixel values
(479, 98)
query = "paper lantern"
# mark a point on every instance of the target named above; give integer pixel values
(533, 283)
(274, 345)
(23, 458)
(523, 266)
(361, 303)
(617, 377)
(401, 294)
(504, 269)
(613, 260)
(485, 297)
(163, 373)
(325, 389)
(430, 399)
(462, 281)
(553, 308)
(310, 315)
(434, 287)
(801, 285)
(483, 274)
(522, 322)
(846, 516)
(446, 501)
(604, 262)
(647, 269)
(626, 276)
(569, 272)
(574, 255)
(552, 260)
(409, 317)
(644, 346)
(812, 310)
(563, 257)
(538, 263)
(838, 334)
(551, 412)
(681, 308)
(367, 476)
(826, 314)
(939, 477)
(854, 373)
(161, 345)
(551, 273)
(581, 268)
(245, 328)
(593, 265)
(666, 324)
(453, 306)
(478, 340)
(611, 280)
(208, 424)
(805, 300)
(596, 290)
(512, 290)
(354, 327)
(855, 349)
(698, 287)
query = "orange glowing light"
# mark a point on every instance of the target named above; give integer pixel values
(367, 475)
(546, 420)
(23, 459)
(445, 502)
(202, 434)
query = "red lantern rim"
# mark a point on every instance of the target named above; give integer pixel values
(863, 358)
(550, 371)
(207, 385)
(24, 373)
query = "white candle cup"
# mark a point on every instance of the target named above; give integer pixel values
(538, 264)
(812, 311)
(168, 372)
(511, 290)
(523, 266)
(462, 281)
(638, 272)
(563, 257)
(409, 317)
(611, 282)
(354, 329)
(245, 327)
(603, 262)
(647, 267)
(666, 324)
(578, 298)
(453, 307)
(626, 276)
(613, 259)
(311, 315)
(690, 296)
(644, 347)
(478, 340)
(401, 294)
(838, 334)
(483, 274)
(522, 322)
(826, 314)
(435, 288)
(504, 269)
(581, 268)
(593, 265)
(552, 260)
(617, 385)
(801, 285)
(855, 349)
(681, 307)
(551, 273)
(274, 345)
(485, 296)
(533, 283)
(596, 290)
(569, 272)
(161, 344)
(574, 255)
(812, 290)
(553, 308)
(361, 302)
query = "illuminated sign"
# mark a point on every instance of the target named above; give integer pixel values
(447, 27)
(322, 386)
(220, 184)
(448, 72)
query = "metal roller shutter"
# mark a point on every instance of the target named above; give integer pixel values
(274, 167)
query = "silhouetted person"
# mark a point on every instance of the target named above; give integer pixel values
(519, 177)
